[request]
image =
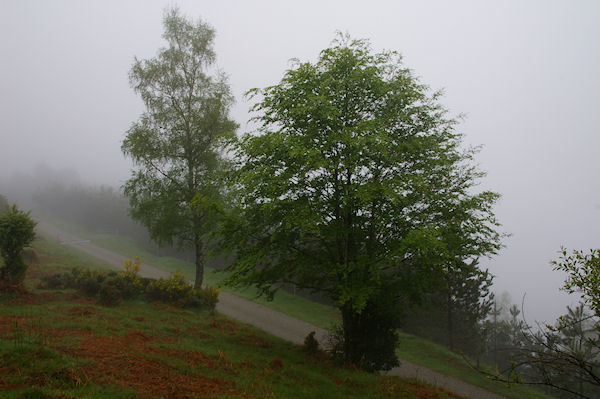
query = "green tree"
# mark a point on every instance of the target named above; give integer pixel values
(176, 143)
(3, 205)
(454, 314)
(564, 357)
(17, 230)
(356, 186)
(583, 275)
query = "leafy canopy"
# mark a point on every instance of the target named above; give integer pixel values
(354, 179)
(583, 275)
(176, 143)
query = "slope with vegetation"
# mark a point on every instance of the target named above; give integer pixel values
(62, 344)
(412, 348)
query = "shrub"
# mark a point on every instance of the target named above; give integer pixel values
(89, 282)
(178, 292)
(175, 290)
(129, 282)
(55, 281)
(111, 288)
(311, 345)
(17, 230)
(110, 293)
(207, 297)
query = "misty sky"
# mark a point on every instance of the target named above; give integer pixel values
(525, 73)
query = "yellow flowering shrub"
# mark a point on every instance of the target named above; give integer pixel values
(110, 288)
(177, 291)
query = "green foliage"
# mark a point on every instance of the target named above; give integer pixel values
(368, 339)
(177, 291)
(17, 230)
(89, 282)
(455, 313)
(110, 288)
(583, 275)
(563, 357)
(176, 143)
(356, 177)
(566, 355)
(311, 345)
(3, 206)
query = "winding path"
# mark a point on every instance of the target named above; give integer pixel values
(269, 320)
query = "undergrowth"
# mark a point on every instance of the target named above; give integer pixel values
(110, 288)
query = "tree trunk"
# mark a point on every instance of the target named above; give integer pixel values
(199, 247)
(352, 335)
(450, 323)
(369, 337)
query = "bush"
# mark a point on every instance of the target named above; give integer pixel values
(130, 284)
(110, 293)
(58, 281)
(63, 281)
(207, 297)
(17, 230)
(89, 282)
(311, 345)
(178, 292)
(111, 288)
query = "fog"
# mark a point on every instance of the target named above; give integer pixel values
(525, 74)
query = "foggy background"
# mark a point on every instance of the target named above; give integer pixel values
(525, 74)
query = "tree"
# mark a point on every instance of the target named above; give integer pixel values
(17, 230)
(176, 143)
(355, 186)
(565, 356)
(583, 275)
(4, 207)
(454, 314)
(468, 303)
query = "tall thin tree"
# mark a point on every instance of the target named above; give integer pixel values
(175, 144)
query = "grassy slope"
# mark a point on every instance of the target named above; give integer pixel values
(301, 308)
(58, 344)
(411, 348)
(437, 357)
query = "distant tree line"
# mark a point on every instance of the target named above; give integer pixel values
(101, 210)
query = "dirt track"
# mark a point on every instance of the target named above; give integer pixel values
(269, 320)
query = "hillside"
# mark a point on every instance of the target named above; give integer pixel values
(60, 344)
(449, 369)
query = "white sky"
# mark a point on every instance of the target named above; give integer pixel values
(526, 74)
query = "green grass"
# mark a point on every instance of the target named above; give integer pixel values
(58, 344)
(64, 257)
(411, 348)
(320, 315)
(317, 314)
(439, 358)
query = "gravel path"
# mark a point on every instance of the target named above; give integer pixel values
(269, 320)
